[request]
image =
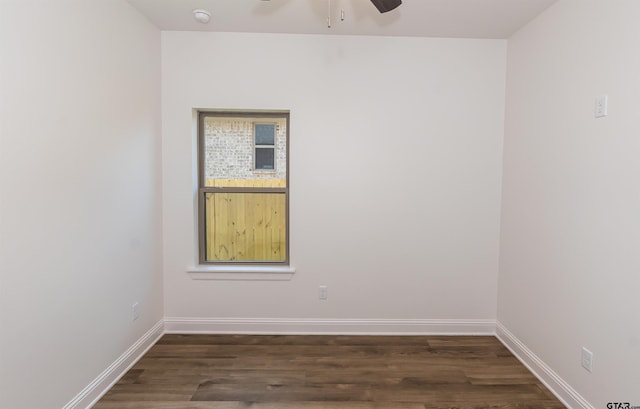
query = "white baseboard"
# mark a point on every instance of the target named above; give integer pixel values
(94, 391)
(563, 391)
(282, 326)
(180, 325)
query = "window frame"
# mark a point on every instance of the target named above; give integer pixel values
(203, 190)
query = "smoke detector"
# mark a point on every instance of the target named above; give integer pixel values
(202, 16)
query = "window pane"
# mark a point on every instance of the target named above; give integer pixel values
(230, 158)
(245, 226)
(265, 134)
(264, 159)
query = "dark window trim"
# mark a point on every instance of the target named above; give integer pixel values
(203, 190)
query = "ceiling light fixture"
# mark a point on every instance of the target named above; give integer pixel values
(202, 16)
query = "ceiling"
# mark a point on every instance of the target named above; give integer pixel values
(422, 18)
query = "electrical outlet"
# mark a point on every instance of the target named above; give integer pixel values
(135, 311)
(587, 359)
(323, 292)
(602, 106)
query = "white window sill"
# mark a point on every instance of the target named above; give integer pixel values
(242, 273)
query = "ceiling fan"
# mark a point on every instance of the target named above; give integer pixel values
(382, 5)
(386, 5)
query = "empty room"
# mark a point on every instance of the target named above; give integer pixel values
(337, 204)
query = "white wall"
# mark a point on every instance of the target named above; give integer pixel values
(570, 237)
(396, 149)
(80, 180)
(396, 158)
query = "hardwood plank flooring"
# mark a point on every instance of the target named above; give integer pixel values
(328, 372)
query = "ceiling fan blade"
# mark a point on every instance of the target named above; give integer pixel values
(386, 5)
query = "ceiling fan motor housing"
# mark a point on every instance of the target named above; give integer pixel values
(386, 5)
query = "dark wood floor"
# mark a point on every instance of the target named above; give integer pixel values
(332, 372)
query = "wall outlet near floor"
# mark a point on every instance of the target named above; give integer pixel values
(135, 311)
(323, 292)
(587, 359)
